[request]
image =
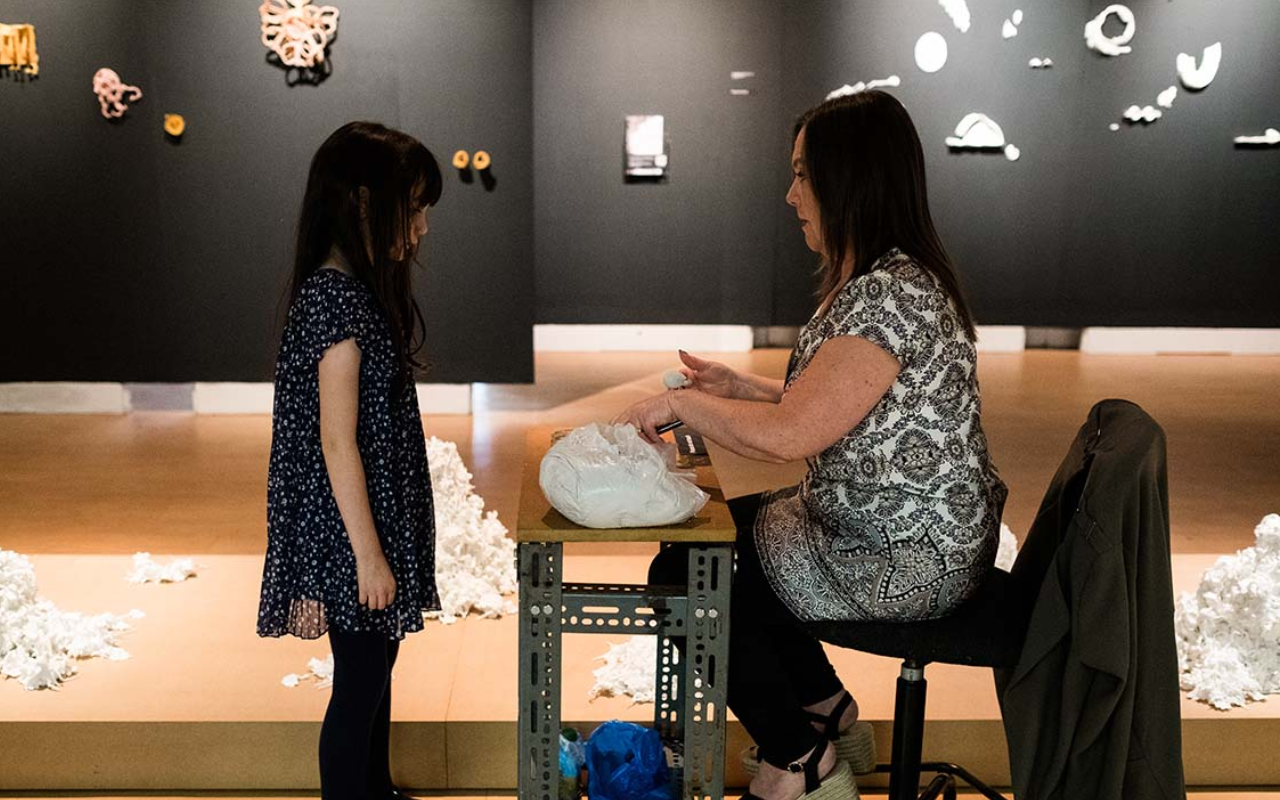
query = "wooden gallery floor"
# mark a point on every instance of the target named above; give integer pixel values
(199, 705)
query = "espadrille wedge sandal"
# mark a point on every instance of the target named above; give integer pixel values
(857, 745)
(835, 785)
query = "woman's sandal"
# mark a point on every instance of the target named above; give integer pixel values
(856, 745)
(835, 785)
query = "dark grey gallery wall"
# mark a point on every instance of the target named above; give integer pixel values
(699, 247)
(128, 258)
(1167, 224)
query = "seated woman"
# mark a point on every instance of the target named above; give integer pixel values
(898, 518)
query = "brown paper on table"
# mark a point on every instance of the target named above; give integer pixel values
(741, 476)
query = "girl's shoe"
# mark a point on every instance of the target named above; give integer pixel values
(835, 785)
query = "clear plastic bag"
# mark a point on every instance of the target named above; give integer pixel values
(606, 476)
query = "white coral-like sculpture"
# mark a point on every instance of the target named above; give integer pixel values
(475, 559)
(1228, 631)
(297, 31)
(39, 643)
(111, 93)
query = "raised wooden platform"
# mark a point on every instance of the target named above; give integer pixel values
(199, 706)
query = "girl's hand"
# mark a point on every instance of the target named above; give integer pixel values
(711, 377)
(648, 415)
(377, 584)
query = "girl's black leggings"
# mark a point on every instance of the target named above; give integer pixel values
(775, 667)
(354, 761)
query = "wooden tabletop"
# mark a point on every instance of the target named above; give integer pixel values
(539, 522)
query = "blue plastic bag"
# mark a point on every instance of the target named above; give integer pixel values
(625, 761)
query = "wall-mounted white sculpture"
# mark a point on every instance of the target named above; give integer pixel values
(1040, 63)
(931, 52)
(979, 132)
(297, 31)
(1110, 45)
(1115, 126)
(1145, 114)
(958, 10)
(110, 92)
(892, 80)
(1269, 139)
(1165, 99)
(1196, 78)
(1010, 28)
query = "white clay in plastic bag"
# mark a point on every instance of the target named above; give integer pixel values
(606, 476)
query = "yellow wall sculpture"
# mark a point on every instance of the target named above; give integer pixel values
(18, 48)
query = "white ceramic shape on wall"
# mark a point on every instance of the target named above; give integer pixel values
(1271, 138)
(931, 52)
(1165, 99)
(892, 80)
(1110, 45)
(1197, 78)
(958, 10)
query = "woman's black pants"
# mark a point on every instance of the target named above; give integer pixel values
(775, 666)
(354, 761)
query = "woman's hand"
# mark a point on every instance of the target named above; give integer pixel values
(377, 584)
(648, 415)
(711, 377)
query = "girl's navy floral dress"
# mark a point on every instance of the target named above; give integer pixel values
(309, 579)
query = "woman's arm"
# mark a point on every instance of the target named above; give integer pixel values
(846, 378)
(758, 388)
(339, 375)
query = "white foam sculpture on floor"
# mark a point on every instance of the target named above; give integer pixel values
(606, 476)
(40, 643)
(1197, 78)
(475, 559)
(860, 87)
(629, 670)
(958, 10)
(1110, 45)
(147, 570)
(979, 132)
(1228, 630)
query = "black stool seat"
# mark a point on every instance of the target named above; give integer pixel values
(987, 631)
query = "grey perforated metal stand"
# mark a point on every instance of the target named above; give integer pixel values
(690, 703)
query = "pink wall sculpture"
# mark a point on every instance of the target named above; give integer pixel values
(110, 92)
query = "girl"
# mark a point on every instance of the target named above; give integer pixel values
(350, 517)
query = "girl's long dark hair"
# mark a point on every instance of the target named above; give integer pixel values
(399, 174)
(866, 166)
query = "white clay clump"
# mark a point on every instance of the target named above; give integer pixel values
(1110, 45)
(859, 87)
(1165, 99)
(606, 476)
(931, 52)
(629, 670)
(1196, 78)
(146, 570)
(958, 10)
(1010, 28)
(40, 643)
(675, 379)
(1228, 631)
(475, 559)
(1040, 63)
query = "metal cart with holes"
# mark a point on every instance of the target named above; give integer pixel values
(689, 709)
